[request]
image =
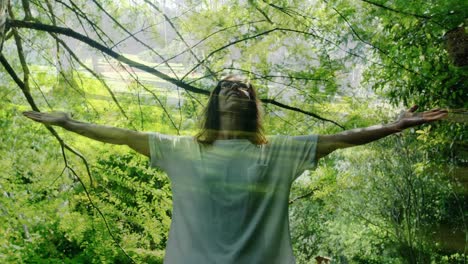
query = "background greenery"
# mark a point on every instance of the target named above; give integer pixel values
(65, 198)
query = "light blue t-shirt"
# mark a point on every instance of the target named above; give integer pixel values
(230, 200)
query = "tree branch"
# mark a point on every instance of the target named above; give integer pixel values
(252, 3)
(371, 44)
(123, 59)
(263, 76)
(99, 78)
(27, 10)
(273, 102)
(168, 20)
(133, 36)
(3, 20)
(104, 49)
(228, 45)
(79, 13)
(210, 35)
(395, 10)
(310, 193)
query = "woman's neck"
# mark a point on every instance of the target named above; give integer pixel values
(232, 126)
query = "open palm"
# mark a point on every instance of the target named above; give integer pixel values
(50, 118)
(412, 118)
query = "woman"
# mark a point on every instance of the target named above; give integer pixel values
(230, 182)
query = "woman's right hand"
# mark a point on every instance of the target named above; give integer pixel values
(49, 118)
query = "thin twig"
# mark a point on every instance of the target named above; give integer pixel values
(307, 194)
(168, 20)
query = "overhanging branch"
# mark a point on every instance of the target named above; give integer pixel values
(396, 11)
(273, 102)
(73, 34)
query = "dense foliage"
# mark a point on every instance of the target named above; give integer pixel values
(319, 66)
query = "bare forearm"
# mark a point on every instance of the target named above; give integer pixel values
(138, 141)
(329, 143)
(101, 133)
(354, 137)
(360, 136)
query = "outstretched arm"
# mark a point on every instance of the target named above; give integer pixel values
(329, 143)
(107, 134)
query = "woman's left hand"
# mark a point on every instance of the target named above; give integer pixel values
(412, 118)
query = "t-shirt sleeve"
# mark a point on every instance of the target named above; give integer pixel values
(161, 148)
(300, 153)
(306, 150)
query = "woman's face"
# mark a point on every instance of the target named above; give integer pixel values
(234, 96)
